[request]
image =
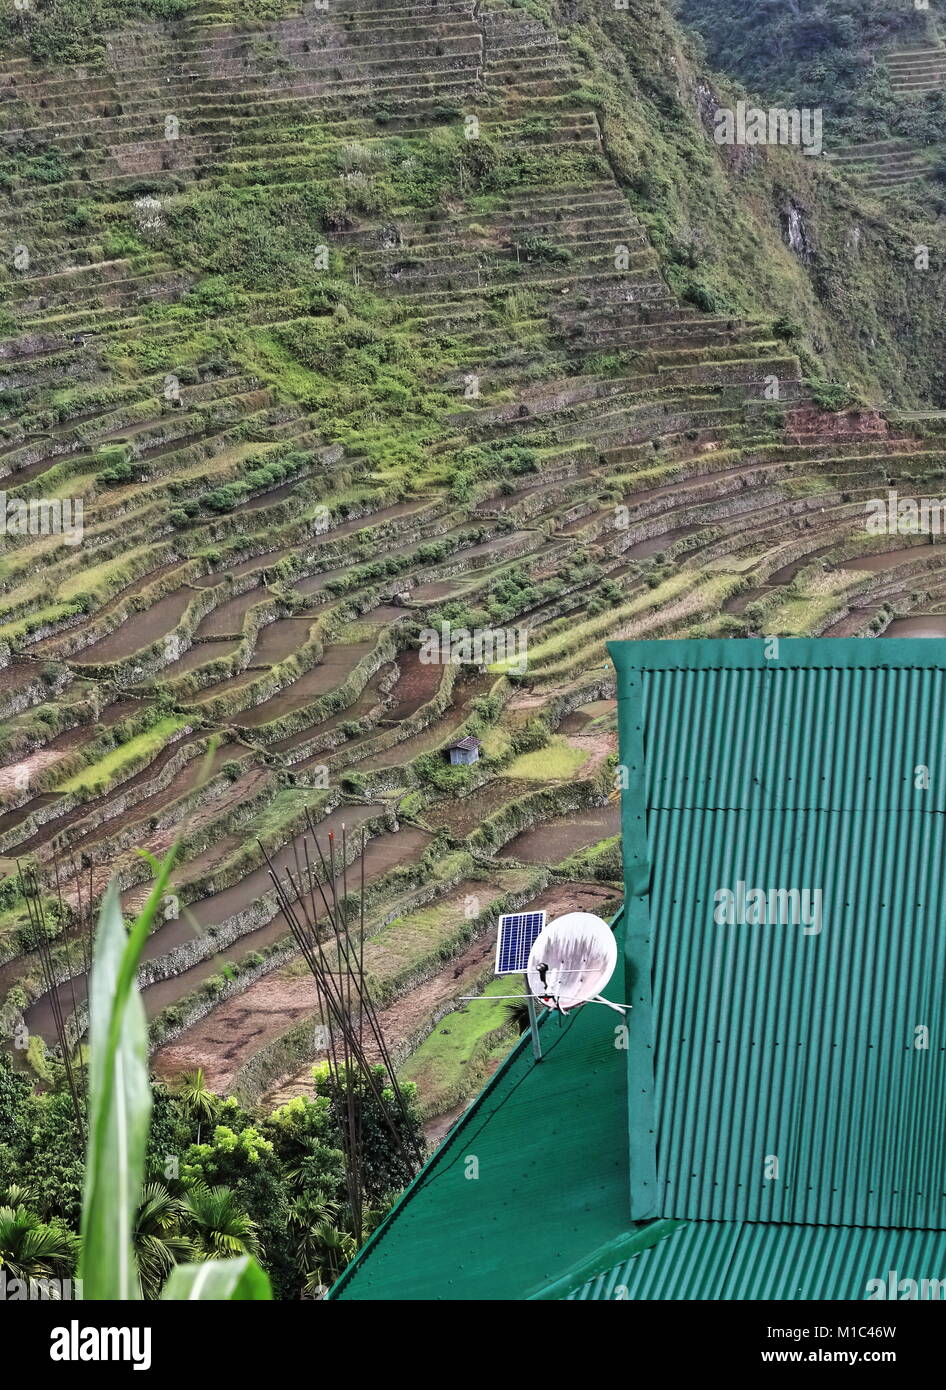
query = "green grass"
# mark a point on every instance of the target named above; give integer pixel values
(660, 612)
(556, 762)
(797, 617)
(99, 775)
(495, 743)
(574, 635)
(23, 627)
(417, 939)
(449, 1065)
(101, 579)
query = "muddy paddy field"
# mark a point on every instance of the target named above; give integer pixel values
(223, 987)
(420, 962)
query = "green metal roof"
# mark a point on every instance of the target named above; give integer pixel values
(783, 736)
(761, 1050)
(732, 1260)
(531, 1180)
(605, 1173)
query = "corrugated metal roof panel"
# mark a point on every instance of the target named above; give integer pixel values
(779, 1059)
(786, 737)
(722, 1260)
(787, 1083)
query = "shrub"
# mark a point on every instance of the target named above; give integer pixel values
(539, 248)
(834, 396)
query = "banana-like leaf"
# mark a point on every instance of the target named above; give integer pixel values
(119, 1116)
(119, 1113)
(218, 1280)
(119, 1099)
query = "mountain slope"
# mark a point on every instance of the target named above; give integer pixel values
(342, 325)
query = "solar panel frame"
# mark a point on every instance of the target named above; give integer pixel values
(517, 931)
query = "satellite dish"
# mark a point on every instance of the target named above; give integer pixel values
(571, 961)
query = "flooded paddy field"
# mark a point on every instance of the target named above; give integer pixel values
(888, 559)
(554, 841)
(315, 583)
(418, 683)
(370, 697)
(272, 1004)
(917, 625)
(330, 672)
(17, 678)
(199, 654)
(655, 545)
(438, 590)
(11, 819)
(417, 687)
(137, 586)
(254, 564)
(403, 1020)
(383, 852)
(228, 686)
(409, 748)
(270, 498)
(199, 769)
(787, 573)
(281, 639)
(237, 1027)
(138, 631)
(598, 388)
(629, 411)
(461, 816)
(20, 774)
(591, 718)
(227, 619)
(738, 603)
(852, 623)
(99, 804)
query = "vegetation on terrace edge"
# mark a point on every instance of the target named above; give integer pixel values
(73, 31)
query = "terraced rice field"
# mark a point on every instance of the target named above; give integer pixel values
(884, 164)
(577, 456)
(917, 69)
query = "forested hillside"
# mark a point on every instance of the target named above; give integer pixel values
(833, 54)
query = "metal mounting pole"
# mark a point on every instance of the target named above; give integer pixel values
(534, 1028)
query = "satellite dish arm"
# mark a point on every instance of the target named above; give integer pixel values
(622, 1009)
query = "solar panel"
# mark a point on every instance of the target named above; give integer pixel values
(517, 931)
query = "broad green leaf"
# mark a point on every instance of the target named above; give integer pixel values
(119, 1106)
(219, 1281)
(119, 1114)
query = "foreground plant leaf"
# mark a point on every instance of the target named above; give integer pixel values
(119, 1100)
(218, 1280)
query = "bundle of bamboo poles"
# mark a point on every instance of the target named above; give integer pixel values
(336, 958)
